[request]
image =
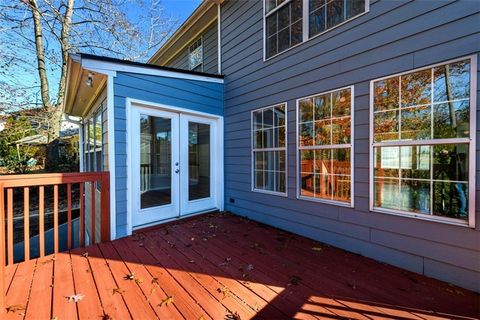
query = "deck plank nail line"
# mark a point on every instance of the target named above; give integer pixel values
(70, 262)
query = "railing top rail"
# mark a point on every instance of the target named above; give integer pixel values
(42, 179)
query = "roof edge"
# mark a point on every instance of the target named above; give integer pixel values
(185, 27)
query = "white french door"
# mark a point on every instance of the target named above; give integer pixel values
(174, 159)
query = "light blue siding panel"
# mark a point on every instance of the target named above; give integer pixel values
(193, 95)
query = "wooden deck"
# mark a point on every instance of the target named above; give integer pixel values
(224, 267)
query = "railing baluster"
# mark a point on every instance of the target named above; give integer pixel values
(82, 215)
(2, 250)
(41, 219)
(105, 209)
(69, 216)
(93, 212)
(10, 225)
(26, 222)
(55, 218)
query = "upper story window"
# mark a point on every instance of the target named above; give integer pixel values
(195, 55)
(283, 22)
(269, 149)
(326, 14)
(287, 24)
(423, 142)
(325, 146)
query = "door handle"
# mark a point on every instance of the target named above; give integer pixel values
(177, 170)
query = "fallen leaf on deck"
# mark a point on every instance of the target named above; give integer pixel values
(168, 300)
(201, 318)
(15, 307)
(85, 255)
(295, 280)
(317, 249)
(130, 276)
(117, 290)
(250, 267)
(138, 281)
(106, 316)
(75, 298)
(224, 290)
(233, 316)
(155, 281)
(48, 261)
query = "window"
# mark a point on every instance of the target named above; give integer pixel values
(283, 22)
(326, 14)
(269, 149)
(195, 55)
(325, 148)
(93, 142)
(287, 24)
(423, 142)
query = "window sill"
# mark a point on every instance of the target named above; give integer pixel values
(272, 193)
(419, 216)
(326, 201)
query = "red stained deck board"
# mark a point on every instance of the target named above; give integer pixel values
(113, 304)
(39, 302)
(150, 287)
(292, 297)
(166, 253)
(371, 276)
(138, 306)
(211, 306)
(90, 306)
(63, 287)
(19, 289)
(187, 306)
(214, 267)
(211, 282)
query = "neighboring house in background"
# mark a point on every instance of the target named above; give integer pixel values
(350, 122)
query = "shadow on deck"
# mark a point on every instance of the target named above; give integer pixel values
(224, 267)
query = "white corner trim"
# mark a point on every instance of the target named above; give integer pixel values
(128, 106)
(111, 67)
(111, 155)
(219, 37)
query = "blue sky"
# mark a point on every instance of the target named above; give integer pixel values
(180, 9)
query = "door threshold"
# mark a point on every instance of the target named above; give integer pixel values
(146, 226)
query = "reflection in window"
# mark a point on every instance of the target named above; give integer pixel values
(93, 142)
(269, 149)
(326, 14)
(324, 138)
(430, 178)
(283, 25)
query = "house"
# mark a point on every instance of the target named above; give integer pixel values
(350, 122)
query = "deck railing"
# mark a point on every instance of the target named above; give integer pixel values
(89, 185)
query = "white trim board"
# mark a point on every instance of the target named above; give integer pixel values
(110, 68)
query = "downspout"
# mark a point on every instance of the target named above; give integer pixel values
(219, 37)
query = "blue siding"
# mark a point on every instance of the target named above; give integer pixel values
(395, 36)
(193, 95)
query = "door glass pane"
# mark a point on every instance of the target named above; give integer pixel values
(198, 161)
(155, 161)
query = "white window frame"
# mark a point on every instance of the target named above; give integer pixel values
(285, 148)
(351, 145)
(305, 27)
(190, 52)
(470, 140)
